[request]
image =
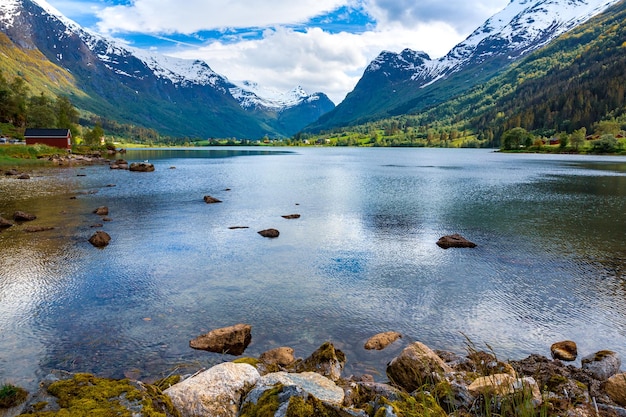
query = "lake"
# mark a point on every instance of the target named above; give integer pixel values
(361, 259)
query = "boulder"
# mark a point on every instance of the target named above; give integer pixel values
(102, 211)
(615, 387)
(416, 365)
(141, 167)
(282, 356)
(20, 216)
(232, 340)
(100, 239)
(291, 216)
(308, 392)
(564, 351)
(11, 173)
(215, 392)
(24, 177)
(326, 361)
(603, 364)
(497, 384)
(454, 241)
(382, 340)
(211, 200)
(4, 223)
(271, 233)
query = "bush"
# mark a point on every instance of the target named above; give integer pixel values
(606, 144)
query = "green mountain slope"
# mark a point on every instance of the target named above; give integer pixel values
(576, 81)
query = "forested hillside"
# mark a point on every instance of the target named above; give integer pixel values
(575, 82)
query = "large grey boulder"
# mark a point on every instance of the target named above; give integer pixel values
(603, 364)
(215, 392)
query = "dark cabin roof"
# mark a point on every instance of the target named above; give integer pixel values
(47, 133)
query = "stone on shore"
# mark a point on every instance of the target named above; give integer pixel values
(416, 365)
(102, 211)
(20, 216)
(36, 229)
(275, 393)
(100, 239)
(232, 340)
(141, 167)
(564, 351)
(24, 177)
(602, 365)
(4, 223)
(326, 361)
(270, 233)
(215, 392)
(454, 241)
(211, 200)
(615, 387)
(282, 356)
(382, 340)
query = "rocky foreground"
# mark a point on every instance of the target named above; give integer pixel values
(420, 382)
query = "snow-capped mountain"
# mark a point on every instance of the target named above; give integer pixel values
(408, 81)
(177, 96)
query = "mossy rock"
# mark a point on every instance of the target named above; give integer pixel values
(87, 395)
(11, 395)
(250, 361)
(411, 406)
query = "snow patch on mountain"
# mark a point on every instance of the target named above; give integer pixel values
(250, 95)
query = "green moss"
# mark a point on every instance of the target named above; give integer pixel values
(250, 361)
(87, 395)
(327, 352)
(555, 381)
(266, 406)
(421, 405)
(10, 396)
(298, 407)
(165, 383)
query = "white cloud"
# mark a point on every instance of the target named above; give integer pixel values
(169, 16)
(284, 58)
(315, 59)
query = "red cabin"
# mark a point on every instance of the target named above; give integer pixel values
(59, 138)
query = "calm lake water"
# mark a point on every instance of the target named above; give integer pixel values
(362, 259)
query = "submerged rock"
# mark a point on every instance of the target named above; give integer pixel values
(36, 229)
(102, 211)
(20, 216)
(4, 223)
(291, 216)
(232, 340)
(270, 233)
(100, 239)
(211, 200)
(454, 241)
(382, 340)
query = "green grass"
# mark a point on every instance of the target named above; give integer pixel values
(26, 156)
(10, 396)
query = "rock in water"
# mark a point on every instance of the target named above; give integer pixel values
(20, 216)
(211, 200)
(100, 239)
(454, 241)
(102, 211)
(382, 340)
(271, 233)
(565, 351)
(141, 167)
(232, 340)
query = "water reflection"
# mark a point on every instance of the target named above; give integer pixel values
(361, 259)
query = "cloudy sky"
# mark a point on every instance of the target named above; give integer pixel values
(321, 45)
